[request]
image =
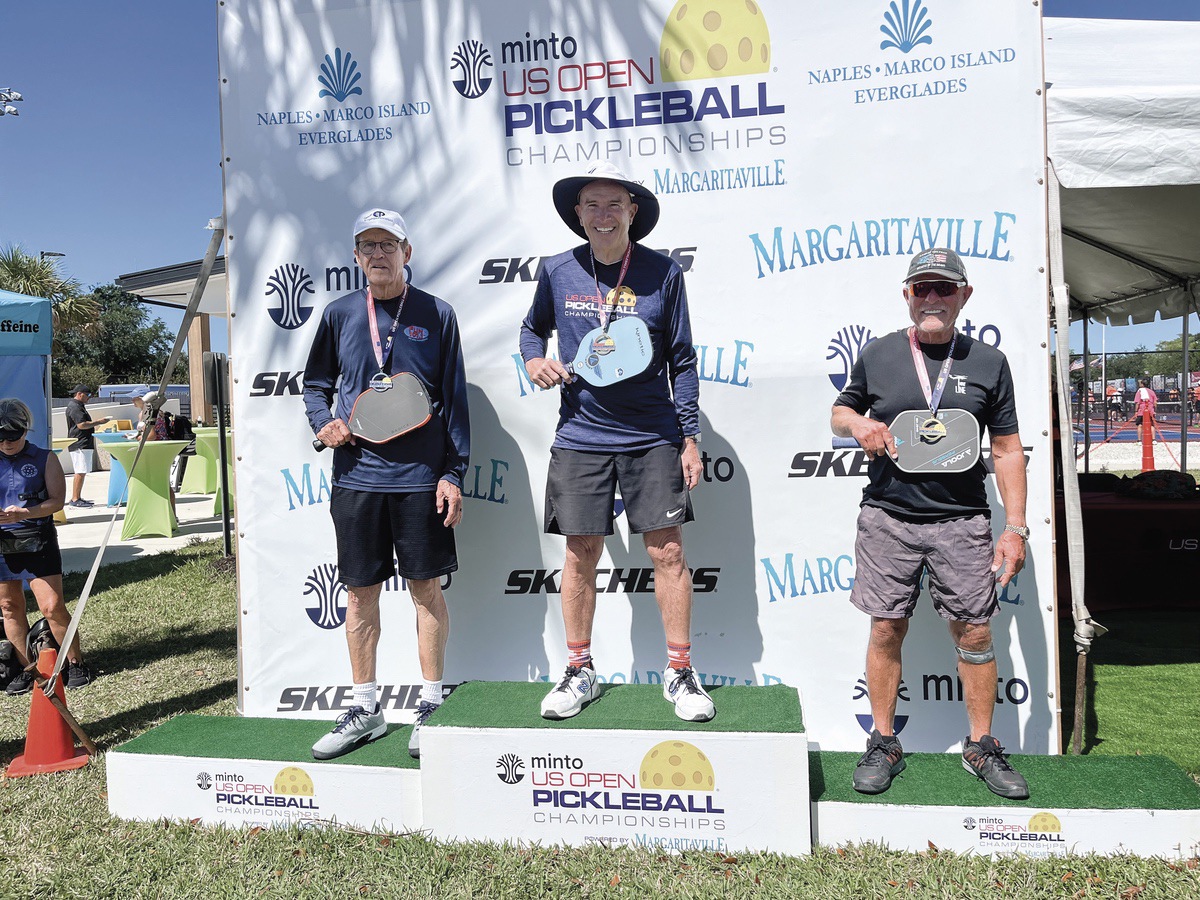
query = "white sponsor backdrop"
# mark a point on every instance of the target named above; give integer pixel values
(801, 151)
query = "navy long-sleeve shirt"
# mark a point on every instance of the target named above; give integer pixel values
(426, 344)
(657, 407)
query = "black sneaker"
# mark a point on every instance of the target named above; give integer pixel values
(78, 675)
(987, 759)
(882, 762)
(22, 684)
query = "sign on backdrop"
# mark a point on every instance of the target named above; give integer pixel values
(801, 152)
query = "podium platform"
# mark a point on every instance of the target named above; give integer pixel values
(235, 771)
(624, 771)
(1145, 805)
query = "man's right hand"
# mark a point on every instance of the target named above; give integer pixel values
(546, 373)
(335, 434)
(873, 436)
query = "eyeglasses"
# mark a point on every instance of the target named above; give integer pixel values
(943, 288)
(368, 248)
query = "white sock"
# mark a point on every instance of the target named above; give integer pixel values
(431, 692)
(364, 696)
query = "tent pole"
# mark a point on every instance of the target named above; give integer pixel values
(1186, 394)
(1086, 630)
(1085, 394)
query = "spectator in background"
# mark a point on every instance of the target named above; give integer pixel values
(32, 488)
(1145, 401)
(81, 427)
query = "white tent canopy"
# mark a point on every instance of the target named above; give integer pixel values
(1123, 131)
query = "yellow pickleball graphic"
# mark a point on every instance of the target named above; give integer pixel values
(714, 38)
(293, 782)
(676, 766)
(1045, 821)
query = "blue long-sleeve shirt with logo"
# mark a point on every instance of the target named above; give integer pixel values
(658, 406)
(427, 344)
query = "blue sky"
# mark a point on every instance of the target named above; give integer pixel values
(114, 157)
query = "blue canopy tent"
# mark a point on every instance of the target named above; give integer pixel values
(25, 333)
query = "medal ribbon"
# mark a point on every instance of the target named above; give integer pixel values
(382, 350)
(932, 396)
(605, 311)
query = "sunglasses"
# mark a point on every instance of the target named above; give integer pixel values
(7, 436)
(943, 288)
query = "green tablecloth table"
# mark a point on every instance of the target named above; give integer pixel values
(201, 475)
(148, 510)
(207, 443)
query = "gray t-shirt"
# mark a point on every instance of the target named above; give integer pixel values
(884, 382)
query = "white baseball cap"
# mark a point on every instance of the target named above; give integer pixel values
(387, 219)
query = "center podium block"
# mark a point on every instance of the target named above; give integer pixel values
(624, 771)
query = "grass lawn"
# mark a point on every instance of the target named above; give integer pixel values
(160, 633)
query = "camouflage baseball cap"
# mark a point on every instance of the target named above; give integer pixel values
(939, 261)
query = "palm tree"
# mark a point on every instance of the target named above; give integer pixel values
(34, 276)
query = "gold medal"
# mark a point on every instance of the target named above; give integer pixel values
(931, 431)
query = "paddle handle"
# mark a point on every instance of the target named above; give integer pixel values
(318, 445)
(845, 443)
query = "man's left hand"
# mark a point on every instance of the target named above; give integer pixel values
(449, 501)
(692, 467)
(1010, 555)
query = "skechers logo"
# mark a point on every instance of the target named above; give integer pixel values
(608, 581)
(525, 269)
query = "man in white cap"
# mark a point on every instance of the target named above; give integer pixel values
(398, 500)
(639, 429)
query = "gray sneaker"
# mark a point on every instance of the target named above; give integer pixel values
(425, 709)
(354, 728)
(987, 759)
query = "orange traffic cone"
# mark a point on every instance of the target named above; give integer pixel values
(49, 746)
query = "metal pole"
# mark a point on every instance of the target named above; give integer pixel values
(1083, 402)
(1186, 394)
(222, 455)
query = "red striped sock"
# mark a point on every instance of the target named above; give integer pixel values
(679, 656)
(579, 653)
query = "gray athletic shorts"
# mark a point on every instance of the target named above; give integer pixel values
(890, 556)
(581, 489)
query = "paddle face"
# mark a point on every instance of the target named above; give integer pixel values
(951, 446)
(605, 359)
(379, 416)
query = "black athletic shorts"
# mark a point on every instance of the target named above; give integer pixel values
(581, 490)
(374, 531)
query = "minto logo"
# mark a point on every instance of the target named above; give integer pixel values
(339, 76)
(905, 27)
(509, 768)
(288, 284)
(711, 40)
(472, 63)
(843, 351)
(330, 595)
(676, 766)
(865, 720)
(204, 781)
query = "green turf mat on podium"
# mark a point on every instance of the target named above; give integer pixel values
(285, 740)
(512, 704)
(1068, 782)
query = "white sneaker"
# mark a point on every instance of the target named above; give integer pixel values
(683, 688)
(354, 728)
(579, 687)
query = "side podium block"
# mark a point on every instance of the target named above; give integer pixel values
(236, 771)
(624, 771)
(1144, 805)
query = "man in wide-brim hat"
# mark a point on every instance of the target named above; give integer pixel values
(638, 428)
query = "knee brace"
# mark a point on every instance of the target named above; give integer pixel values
(976, 657)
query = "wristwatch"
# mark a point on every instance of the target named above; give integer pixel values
(1020, 531)
(692, 437)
